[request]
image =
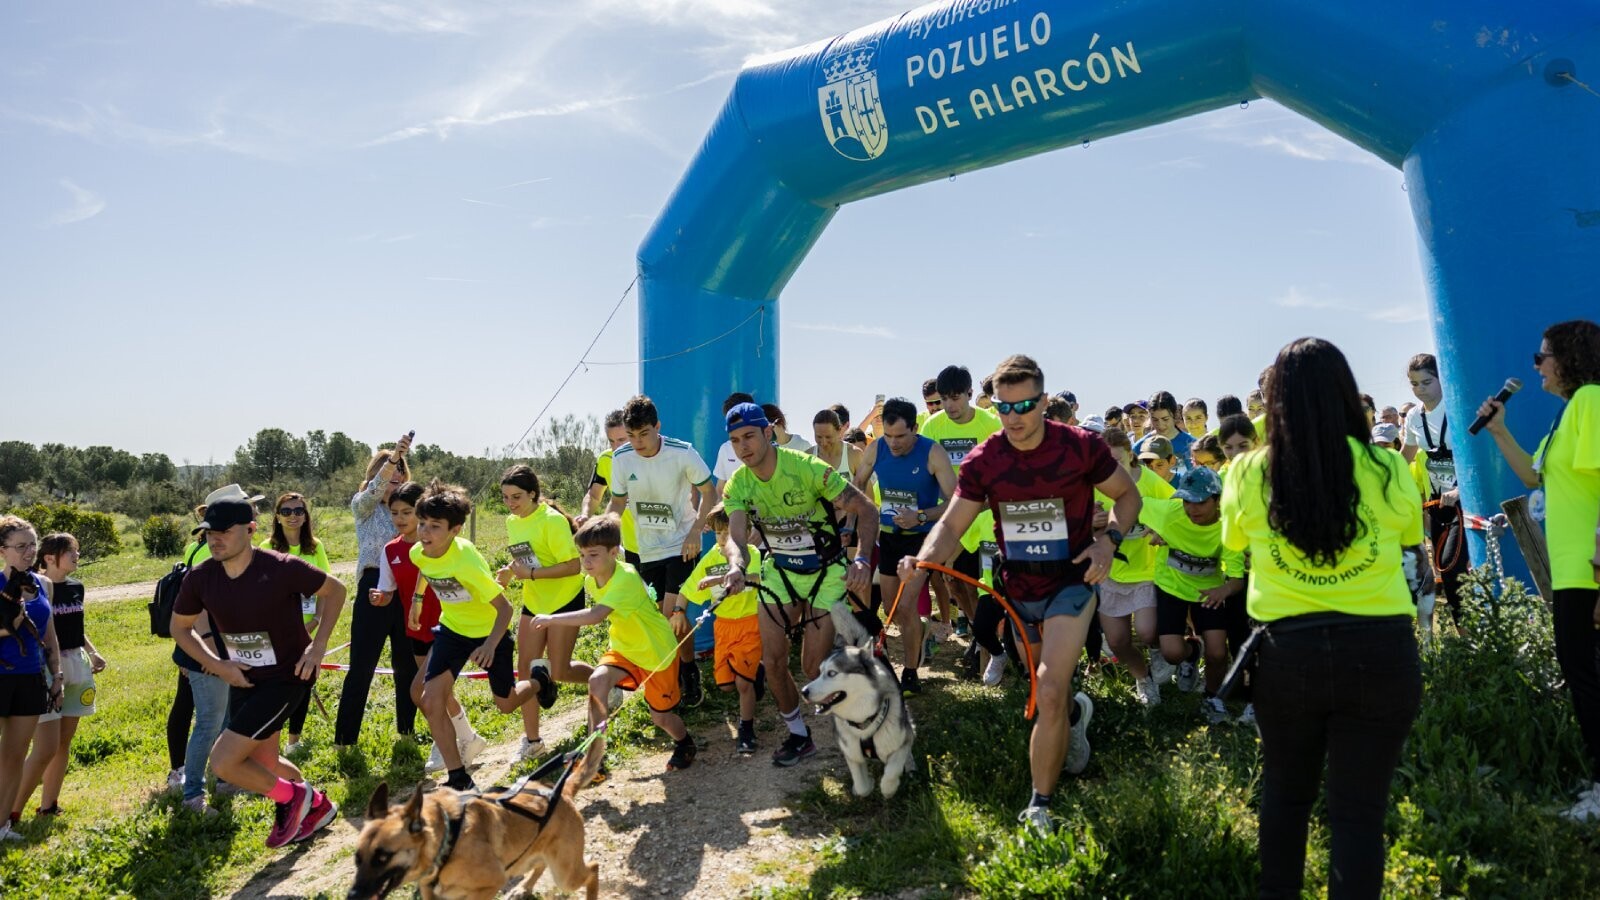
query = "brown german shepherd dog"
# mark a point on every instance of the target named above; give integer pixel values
(463, 846)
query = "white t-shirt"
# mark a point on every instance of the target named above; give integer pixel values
(796, 443)
(660, 491)
(727, 462)
(1414, 427)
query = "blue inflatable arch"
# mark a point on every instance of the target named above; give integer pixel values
(1481, 103)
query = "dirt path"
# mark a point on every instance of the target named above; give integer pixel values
(147, 589)
(720, 829)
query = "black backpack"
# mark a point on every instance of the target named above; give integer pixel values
(167, 594)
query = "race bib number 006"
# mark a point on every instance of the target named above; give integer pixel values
(449, 590)
(1034, 530)
(653, 516)
(253, 648)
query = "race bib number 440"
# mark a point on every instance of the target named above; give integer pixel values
(253, 648)
(792, 546)
(1034, 530)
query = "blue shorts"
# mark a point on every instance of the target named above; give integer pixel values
(1070, 600)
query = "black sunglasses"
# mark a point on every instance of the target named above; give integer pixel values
(292, 511)
(1539, 358)
(1020, 407)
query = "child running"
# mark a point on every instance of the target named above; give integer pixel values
(474, 616)
(643, 654)
(397, 575)
(545, 560)
(737, 657)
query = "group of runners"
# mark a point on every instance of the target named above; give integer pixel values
(1105, 532)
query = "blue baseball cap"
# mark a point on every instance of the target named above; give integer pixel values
(746, 415)
(1197, 485)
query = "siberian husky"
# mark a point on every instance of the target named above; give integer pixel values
(860, 691)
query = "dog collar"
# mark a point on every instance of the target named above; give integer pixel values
(447, 845)
(872, 725)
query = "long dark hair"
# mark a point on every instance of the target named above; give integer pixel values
(1576, 347)
(522, 476)
(1313, 410)
(280, 540)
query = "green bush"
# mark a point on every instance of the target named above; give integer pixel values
(96, 531)
(162, 535)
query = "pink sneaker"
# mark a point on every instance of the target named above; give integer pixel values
(322, 812)
(289, 816)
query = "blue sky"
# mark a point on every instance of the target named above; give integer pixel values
(376, 215)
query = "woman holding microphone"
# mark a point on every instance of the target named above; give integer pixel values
(1566, 468)
(1326, 517)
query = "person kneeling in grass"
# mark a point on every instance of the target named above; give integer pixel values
(643, 654)
(473, 617)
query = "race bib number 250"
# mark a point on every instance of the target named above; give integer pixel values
(1034, 530)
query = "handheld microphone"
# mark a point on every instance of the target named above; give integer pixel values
(1512, 385)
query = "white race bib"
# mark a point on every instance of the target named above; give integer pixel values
(523, 553)
(653, 516)
(1034, 530)
(896, 502)
(308, 604)
(253, 648)
(791, 544)
(988, 551)
(958, 448)
(449, 590)
(1189, 564)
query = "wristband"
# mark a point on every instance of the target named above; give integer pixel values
(862, 559)
(679, 609)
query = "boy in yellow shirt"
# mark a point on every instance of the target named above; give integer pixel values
(737, 656)
(643, 654)
(473, 617)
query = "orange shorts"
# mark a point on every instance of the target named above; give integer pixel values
(660, 688)
(738, 649)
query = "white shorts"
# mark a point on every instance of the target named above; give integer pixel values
(1117, 599)
(77, 701)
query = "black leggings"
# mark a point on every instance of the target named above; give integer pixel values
(986, 623)
(1343, 696)
(178, 719)
(297, 719)
(370, 626)
(1576, 644)
(1239, 627)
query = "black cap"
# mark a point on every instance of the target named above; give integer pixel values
(224, 514)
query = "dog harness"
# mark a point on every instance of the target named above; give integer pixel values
(829, 541)
(503, 797)
(869, 748)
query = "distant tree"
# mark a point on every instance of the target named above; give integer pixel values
(272, 454)
(19, 462)
(341, 450)
(108, 467)
(155, 468)
(64, 471)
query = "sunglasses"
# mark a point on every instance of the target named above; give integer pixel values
(1539, 358)
(932, 403)
(1021, 407)
(292, 511)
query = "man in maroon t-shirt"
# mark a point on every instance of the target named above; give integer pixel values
(1039, 478)
(252, 597)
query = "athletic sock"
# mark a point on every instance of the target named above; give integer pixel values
(795, 722)
(463, 728)
(750, 725)
(458, 779)
(282, 792)
(1040, 800)
(688, 741)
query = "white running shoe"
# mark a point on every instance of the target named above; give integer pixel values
(1248, 717)
(1161, 670)
(614, 700)
(1149, 692)
(1188, 677)
(994, 671)
(175, 779)
(7, 834)
(471, 747)
(291, 748)
(1078, 744)
(527, 749)
(1213, 710)
(1038, 820)
(435, 761)
(1587, 809)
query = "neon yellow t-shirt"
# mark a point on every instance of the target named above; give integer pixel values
(630, 537)
(714, 563)
(544, 537)
(200, 549)
(465, 586)
(787, 505)
(1366, 580)
(1569, 467)
(1260, 422)
(958, 441)
(1192, 558)
(1140, 566)
(638, 629)
(318, 558)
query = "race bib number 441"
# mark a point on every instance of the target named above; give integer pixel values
(253, 648)
(1034, 530)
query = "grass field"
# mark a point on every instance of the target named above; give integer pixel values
(1167, 807)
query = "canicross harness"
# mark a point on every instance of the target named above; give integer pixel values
(503, 797)
(828, 538)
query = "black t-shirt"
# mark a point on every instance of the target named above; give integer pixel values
(256, 616)
(66, 602)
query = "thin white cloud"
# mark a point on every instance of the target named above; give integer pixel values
(86, 204)
(872, 331)
(1403, 314)
(398, 16)
(1295, 298)
(108, 124)
(1400, 315)
(521, 183)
